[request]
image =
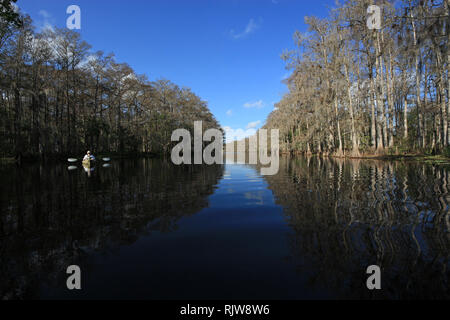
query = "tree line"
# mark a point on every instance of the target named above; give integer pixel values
(58, 97)
(355, 90)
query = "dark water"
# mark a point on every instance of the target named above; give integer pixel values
(149, 230)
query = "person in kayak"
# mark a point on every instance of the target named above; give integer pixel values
(88, 156)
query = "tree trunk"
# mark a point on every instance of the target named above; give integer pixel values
(355, 147)
(338, 127)
(380, 108)
(383, 91)
(372, 100)
(418, 74)
(390, 91)
(405, 118)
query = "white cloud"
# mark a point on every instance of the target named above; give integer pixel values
(254, 124)
(230, 113)
(47, 26)
(256, 104)
(46, 21)
(44, 14)
(87, 60)
(251, 27)
(237, 134)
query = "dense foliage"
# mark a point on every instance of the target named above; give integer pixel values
(59, 98)
(354, 89)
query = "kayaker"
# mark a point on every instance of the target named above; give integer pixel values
(88, 156)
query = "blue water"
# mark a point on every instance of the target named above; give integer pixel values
(236, 248)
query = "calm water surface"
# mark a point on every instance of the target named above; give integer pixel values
(149, 230)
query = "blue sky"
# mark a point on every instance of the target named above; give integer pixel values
(227, 51)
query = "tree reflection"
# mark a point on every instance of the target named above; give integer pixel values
(52, 217)
(349, 214)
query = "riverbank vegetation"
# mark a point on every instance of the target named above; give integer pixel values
(355, 92)
(58, 97)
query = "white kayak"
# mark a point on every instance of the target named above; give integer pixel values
(72, 160)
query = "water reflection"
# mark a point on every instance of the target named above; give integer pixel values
(52, 217)
(346, 215)
(147, 229)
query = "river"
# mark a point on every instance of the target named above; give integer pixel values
(147, 229)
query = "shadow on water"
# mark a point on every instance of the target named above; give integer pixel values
(348, 214)
(52, 217)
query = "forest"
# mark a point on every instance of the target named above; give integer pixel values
(356, 91)
(58, 98)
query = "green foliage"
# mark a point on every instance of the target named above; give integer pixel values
(446, 152)
(365, 143)
(403, 146)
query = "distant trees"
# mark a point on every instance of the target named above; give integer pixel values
(58, 97)
(353, 89)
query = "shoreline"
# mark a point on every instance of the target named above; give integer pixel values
(432, 159)
(56, 158)
(436, 159)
